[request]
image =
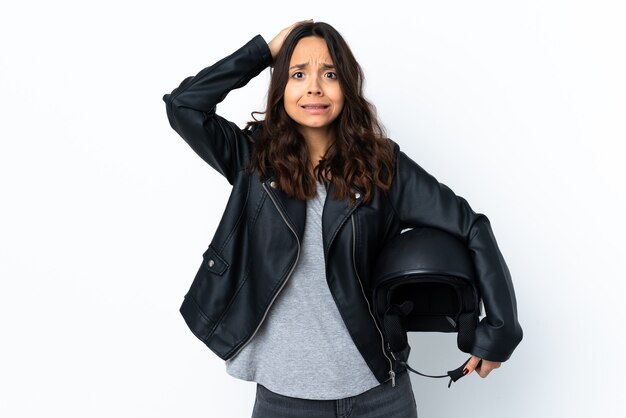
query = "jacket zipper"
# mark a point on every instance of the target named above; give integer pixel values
(392, 373)
(284, 283)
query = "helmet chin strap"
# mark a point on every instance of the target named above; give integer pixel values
(392, 321)
(455, 374)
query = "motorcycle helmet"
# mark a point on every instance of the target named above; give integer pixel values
(424, 281)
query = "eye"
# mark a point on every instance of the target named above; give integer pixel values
(296, 73)
(333, 75)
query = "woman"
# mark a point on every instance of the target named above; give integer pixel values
(282, 292)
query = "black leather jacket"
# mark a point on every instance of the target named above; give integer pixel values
(257, 242)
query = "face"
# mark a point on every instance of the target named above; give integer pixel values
(312, 97)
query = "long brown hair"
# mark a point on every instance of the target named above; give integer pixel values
(360, 155)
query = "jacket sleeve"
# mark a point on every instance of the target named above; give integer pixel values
(191, 107)
(420, 200)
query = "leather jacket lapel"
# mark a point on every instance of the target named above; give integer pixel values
(293, 209)
(334, 214)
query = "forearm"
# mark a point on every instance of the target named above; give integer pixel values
(210, 86)
(420, 200)
(191, 107)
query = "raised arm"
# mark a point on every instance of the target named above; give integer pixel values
(191, 107)
(420, 200)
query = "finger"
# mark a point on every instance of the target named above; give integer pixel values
(471, 365)
(287, 29)
(277, 42)
(483, 369)
(487, 366)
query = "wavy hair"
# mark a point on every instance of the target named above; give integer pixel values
(361, 154)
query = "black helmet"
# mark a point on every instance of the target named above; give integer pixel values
(424, 280)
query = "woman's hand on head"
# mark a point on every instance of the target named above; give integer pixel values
(278, 40)
(484, 368)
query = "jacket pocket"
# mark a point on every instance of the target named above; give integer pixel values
(213, 261)
(212, 288)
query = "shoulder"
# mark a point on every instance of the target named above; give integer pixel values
(406, 169)
(395, 147)
(253, 129)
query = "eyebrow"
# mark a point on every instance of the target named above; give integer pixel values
(299, 66)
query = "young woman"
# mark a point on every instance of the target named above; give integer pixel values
(282, 294)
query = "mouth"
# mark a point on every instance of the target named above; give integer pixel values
(316, 108)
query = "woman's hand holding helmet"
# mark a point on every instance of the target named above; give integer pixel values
(483, 367)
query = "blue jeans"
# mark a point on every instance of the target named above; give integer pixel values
(380, 401)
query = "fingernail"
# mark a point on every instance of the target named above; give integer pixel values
(465, 371)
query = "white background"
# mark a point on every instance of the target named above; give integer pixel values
(105, 211)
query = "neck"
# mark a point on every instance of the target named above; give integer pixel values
(317, 142)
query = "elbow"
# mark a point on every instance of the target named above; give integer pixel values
(171, 111)
(479, 223)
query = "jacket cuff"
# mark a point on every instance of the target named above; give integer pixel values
(264, 50)
(499, 350)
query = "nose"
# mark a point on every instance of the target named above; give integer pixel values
(314, 86)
